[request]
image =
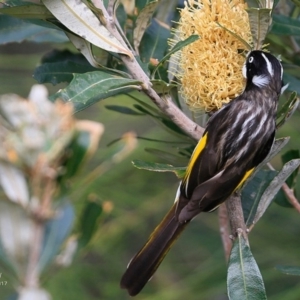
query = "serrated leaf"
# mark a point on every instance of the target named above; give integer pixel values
(253, 191)
(89, 88)
(77, 17)
(289, 270)
(176, 48)
(259, 19)
(58, 72)
(287, 110)
(157, 167)
(274, 187)
(244, 280)
(142, 22)
(89, 222)
(284, 25)
(55, 233)
(123, 110)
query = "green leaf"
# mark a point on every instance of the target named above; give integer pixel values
(289, 270)
(89, 222)
(157, 167)
(296, 2)
(162, 87)
(244, 280)
(167, 156)
(274, 187)
(294, 82)
(154, 42)
(259, 19)
(142, 22)
(287, 109)
(59, 72)
(78, 18)
(89, 88)
(276, 148)
(77, 152)
(123, 110)
(286, 157)
(281, 200)
(284, 25)
(176, 48)
(15, 30)
(55, 233)
(252, 192)
(30, 11)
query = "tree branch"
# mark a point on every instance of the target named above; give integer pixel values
(166, 105)
(288, 192)
(225, 230)
(236, 216)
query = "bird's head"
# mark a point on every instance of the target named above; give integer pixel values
(261, 70)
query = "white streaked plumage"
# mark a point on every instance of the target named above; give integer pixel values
(260, 80)
(269, 65)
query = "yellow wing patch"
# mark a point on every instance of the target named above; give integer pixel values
(246, 176)
(197, 151)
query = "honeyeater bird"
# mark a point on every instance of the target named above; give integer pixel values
(237, 138)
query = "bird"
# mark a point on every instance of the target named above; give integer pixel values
(237, 138)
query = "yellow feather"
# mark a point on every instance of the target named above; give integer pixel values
(246, 176)
(197, 151)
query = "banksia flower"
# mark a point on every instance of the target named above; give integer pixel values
(210, 68)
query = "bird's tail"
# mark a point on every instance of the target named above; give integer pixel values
(147, 260)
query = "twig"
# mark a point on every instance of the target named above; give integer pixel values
(225, 230)
(291, 196)
(166, 105)
(288, 192)
(236, 216)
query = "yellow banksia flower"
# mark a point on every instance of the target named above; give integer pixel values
(210, 68)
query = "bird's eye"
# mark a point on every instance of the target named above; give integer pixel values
(251, 59)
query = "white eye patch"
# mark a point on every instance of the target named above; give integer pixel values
(260, 80)
(251, 59)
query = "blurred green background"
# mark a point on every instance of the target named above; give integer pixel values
(195, 268)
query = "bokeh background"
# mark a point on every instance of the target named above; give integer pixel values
(195, 268)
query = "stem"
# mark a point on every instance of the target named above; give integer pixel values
(224, 230)
(288, 192)
(166, 105)
(236, 216)
(32, 273)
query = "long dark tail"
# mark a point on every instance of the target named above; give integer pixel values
(147, 260)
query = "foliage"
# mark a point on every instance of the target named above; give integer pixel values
(105, 66)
